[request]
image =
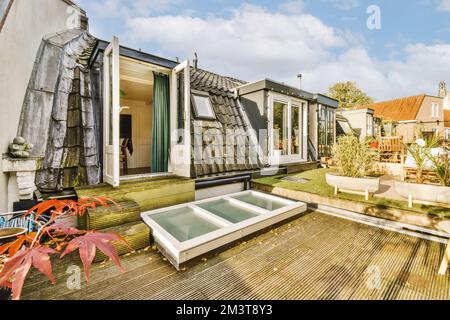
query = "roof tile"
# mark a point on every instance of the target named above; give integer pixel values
(402, 109)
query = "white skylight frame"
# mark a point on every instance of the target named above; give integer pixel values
(208, 112)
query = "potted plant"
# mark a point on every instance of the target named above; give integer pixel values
(436, 160)
(355, 161)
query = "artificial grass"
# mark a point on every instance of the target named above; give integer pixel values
(318, 185)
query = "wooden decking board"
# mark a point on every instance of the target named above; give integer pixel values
(266, 273)
(216, 270)
(317, 257)
(251, 272)
(312, 271)
(251, 263)
(231, 254)
(121, 281)
(98, 275)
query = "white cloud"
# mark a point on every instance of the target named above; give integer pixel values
(444, 5)
(115, 8)
(253, 43)
(293, 6)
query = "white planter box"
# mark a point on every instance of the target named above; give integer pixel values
(365, 186)
(425, 193)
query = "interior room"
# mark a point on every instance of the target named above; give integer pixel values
(137, 81)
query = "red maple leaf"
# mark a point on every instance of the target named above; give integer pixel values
(88, 244)
(16, 245)
(16, 268)
(62, 226)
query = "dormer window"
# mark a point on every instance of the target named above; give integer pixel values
(435, 110)
(202, 106)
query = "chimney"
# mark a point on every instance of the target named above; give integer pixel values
(195, 61)
(442, 90)
(300, 77)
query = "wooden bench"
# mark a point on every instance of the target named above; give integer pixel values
(391, 149)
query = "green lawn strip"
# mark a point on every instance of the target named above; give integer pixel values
(317, 185)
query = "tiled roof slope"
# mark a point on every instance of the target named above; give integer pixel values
(402, 109)
(63, 126)
(447, 118)
(214, 157)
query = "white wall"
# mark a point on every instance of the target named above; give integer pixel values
(27, 23)
(141, 117)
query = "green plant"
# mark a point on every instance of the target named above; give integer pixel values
(441, 166)
(349, 95)
(354, 158)
(420, 151)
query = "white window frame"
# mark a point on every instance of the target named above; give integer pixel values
(370, 125)
(275, 156)
(195, 93)
(435, 110)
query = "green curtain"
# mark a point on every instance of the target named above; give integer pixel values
(161, 123)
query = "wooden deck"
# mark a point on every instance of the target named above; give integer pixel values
(314, 257)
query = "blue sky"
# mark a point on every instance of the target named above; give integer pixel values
(326, 40)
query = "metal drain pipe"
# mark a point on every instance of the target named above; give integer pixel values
(204, 184)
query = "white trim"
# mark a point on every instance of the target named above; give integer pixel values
(435, 110)
(180, 154)
(111, 151)
(407, 121)
(274, 155)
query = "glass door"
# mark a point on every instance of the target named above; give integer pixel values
(288, 136)
(326, 131)
(111, 113)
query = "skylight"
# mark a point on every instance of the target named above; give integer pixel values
(202, 106)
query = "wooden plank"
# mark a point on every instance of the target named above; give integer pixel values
(147, 193)
(313, 257)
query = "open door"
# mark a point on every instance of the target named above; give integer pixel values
(111, 113)
(180, 114)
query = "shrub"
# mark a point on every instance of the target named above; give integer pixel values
(441, 167)
(354, 158)
(420, 152)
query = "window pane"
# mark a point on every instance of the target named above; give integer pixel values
(203, 107)
(280, 133)
(295, 134)
(369, 125)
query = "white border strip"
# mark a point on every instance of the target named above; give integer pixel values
(383, 224)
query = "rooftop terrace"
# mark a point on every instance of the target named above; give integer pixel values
(316, 256)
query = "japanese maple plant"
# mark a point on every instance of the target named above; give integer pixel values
(54, 237)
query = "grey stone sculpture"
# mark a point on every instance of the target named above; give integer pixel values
(19, 148)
